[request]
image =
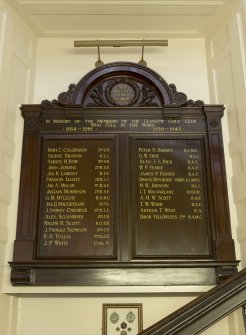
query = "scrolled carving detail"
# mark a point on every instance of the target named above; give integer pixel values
(98, 97)
(66, 97)
(181, 98)
(147, 97)
(192, 103)
(173, 88)
(46, 103)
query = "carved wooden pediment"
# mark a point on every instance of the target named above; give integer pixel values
(122, 84)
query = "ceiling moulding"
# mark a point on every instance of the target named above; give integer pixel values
(119, 8)
(47, 17)
(69, 24)
(84, 2)
(107, 34)
(34, 25)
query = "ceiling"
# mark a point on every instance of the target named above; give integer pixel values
(122, 19)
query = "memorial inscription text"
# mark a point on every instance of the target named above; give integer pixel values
(77, 207)
(170, 198)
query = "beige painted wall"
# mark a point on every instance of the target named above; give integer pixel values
(226, 59)
(74, 310)
(226, 56)
(17, 55)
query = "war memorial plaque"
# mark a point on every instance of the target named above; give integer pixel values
(122, 183)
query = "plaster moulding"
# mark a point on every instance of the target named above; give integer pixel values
(186, 18)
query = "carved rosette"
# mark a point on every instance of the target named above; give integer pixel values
(178, 97)
(214, 123)
(31, 123)
(122, 92)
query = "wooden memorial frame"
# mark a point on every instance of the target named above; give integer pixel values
(123, 182)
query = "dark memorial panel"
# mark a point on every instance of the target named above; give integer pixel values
(78, 202)
(169, 198)
(122, 183)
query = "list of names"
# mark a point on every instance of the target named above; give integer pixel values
(77, 206)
